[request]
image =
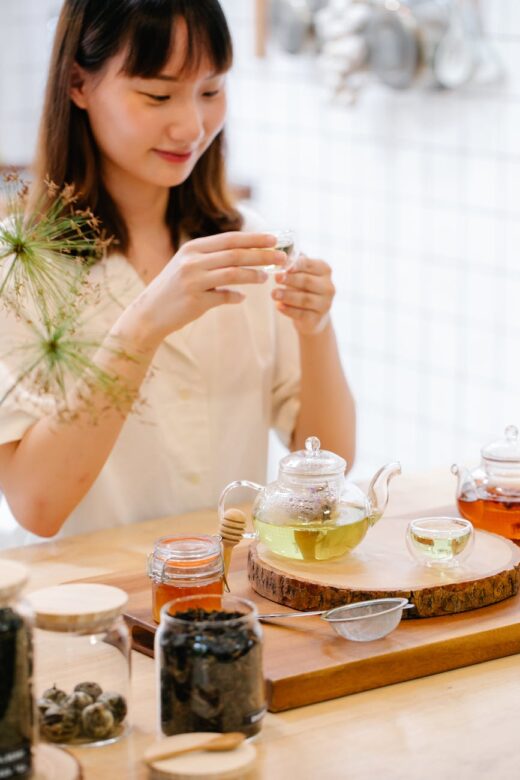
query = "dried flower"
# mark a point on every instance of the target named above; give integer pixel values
(56, 367)
(45, 250)
(45, 255)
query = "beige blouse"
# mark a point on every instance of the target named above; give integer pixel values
(215, 389)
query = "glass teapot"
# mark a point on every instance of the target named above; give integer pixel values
(312, 512)
(489, 495)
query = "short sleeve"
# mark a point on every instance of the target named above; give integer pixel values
(18, 409)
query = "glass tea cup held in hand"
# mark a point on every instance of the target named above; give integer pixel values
(312, 512)
(286, 242)
(440, 542)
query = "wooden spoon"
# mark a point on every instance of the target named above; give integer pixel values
(222, 742)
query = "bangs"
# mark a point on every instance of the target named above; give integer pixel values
(151, 35)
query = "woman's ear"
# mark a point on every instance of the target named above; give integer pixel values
(77, 86)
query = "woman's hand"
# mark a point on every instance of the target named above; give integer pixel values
(197, 278)
(306, 295)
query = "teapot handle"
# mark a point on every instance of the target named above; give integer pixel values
(240, 483)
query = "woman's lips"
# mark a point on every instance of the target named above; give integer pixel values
(174, 157)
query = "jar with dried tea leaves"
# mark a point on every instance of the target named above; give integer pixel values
(210, 666)
(16, 704)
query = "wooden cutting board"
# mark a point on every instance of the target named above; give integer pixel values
(306, 662)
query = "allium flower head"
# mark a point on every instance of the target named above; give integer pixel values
(45, 250)
(56, 368)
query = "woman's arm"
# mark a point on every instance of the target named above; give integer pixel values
(47, 473)
(327, 407)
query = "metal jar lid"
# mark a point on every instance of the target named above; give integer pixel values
(193, 557)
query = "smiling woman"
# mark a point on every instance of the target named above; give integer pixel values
(133, 119)
(144, 82)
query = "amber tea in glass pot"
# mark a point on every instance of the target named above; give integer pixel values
(489, 496)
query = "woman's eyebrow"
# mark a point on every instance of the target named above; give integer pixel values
(166, 77)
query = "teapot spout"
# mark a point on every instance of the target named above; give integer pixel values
(466, 485)
(378, 489)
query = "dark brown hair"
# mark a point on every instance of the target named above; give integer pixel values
(90, 32)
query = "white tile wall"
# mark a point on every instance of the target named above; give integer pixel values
(413, 197)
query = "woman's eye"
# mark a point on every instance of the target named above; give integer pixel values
(212, 93)
(156, 98)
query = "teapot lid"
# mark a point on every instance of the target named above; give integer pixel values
(506, 450)
(313, 461)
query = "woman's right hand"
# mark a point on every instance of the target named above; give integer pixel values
(197, 278)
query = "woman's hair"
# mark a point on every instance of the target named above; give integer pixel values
(91, 32)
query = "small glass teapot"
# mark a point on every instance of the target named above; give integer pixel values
(312, 512)
(489, 495)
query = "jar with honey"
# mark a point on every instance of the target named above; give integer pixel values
(185, 566)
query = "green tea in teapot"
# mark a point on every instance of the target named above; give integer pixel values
(315, 540)
(312, 512)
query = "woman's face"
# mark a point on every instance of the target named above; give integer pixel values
(153, 130)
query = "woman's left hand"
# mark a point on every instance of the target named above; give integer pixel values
(306, 294)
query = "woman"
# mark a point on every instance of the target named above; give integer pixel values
(134, 116)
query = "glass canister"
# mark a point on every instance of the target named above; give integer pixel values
(209, 665)
(185, 566)
(16, 703)
(82, 669)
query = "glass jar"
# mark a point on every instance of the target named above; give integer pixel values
(16, 703)
(185, 566)
(209, 665)
(82, 671)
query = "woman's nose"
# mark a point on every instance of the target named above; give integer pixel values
(188, 125)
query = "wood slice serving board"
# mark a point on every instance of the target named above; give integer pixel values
(306, 662)
(381, 567)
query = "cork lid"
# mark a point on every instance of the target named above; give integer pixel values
(75, 607)
(13, 577)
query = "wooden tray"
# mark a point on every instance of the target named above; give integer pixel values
(306, 662)
(381, 567)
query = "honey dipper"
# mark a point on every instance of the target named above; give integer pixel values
(231, 530)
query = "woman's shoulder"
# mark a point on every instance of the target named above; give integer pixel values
(253, 221)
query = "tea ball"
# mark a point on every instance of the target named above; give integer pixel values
(115, 703)
(78, 701)
(54, 694)
(92, 689)
(97, 721)
(44, 704)
(59, 724)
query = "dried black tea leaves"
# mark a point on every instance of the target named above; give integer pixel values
(15, 696)
(211, 673)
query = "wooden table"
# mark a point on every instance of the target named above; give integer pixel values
(460, 725)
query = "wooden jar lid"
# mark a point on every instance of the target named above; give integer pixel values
(54, 763)
(225, 765)
(13, 577)
(75, 607)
